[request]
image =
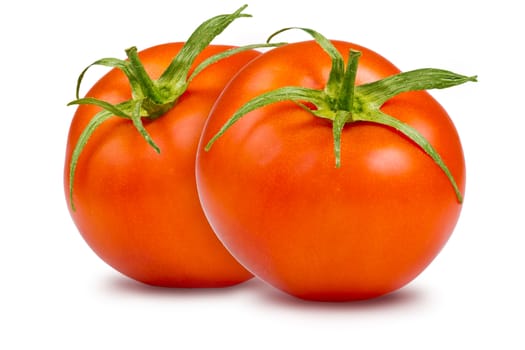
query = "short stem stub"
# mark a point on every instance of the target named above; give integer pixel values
(345, 98)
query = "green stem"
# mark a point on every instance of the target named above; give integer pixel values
(342, 102)
(153, 98)
(345, 98)
(147, 87)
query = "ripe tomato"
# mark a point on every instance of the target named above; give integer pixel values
(137, 209)
(272, 194)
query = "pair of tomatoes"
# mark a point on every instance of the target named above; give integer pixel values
(266, 198)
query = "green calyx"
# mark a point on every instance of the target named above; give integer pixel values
(153, 98)
(342, 102)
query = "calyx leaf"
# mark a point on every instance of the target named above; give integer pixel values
(342, 102)
(153, 98)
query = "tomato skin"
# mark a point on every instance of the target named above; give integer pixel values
(271, 191)
(139, 210)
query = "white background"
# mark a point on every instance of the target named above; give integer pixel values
(56, 294)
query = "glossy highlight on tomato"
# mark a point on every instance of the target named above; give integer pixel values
(274, 197)
(138, 209)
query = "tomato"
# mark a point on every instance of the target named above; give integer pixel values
(272, 194)
(138, 209)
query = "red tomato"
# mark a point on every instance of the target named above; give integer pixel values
(137, 209)
(272, 194)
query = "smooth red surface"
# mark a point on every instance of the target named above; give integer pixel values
(272, 193)
(139, 210)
